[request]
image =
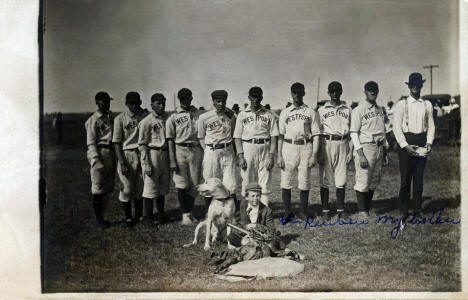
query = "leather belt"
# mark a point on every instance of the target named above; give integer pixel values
(297, 142)
(133, 149)
(219, 146)
(334, 137)
(189, 145)
(163, 148)
(105, 146)
(378, 143)
(223, 199)
(257, 141)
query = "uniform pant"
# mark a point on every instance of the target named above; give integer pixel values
(369, 179)
(256, 156)
(296, 157)
(221, 163)
(334, 168)
(158, 183)
(102, 179)
(411, 170)
(189, 160)
(131, 184)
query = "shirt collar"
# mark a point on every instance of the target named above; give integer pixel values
(328, 104)
(100, 114)
(293, 107)
(414, 99)
(369, 105)
(192, 108)
(158, 115)
(261, 109)
(250, 207)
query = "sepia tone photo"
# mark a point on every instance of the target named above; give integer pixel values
(249, 146)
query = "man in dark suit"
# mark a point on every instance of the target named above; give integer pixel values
(253, 215)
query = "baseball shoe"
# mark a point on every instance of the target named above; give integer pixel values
(102, 225)
(162, 218)
(363, 216)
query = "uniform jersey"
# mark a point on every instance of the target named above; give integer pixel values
(261, 124)
(368, 121)
(152, 130)
(126, 129)
(182, 126)
(99, 128)
(215, 128)
(334, 120)
(298, 122)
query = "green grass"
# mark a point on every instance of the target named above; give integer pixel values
(78, 258)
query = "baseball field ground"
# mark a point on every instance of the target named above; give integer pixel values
(79, 258)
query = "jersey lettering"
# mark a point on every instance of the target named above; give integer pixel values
(181, 120)
(297, 117)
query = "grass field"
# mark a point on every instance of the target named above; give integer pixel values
(79, 258)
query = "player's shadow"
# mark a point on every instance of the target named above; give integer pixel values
(384, 206)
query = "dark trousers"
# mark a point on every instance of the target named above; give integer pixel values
(411, 171)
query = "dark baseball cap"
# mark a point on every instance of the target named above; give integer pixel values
(219, 94)
(158, 97)
(102, 96)
(371, 86)
(184, 93)
(132, 97)
(256, 92)
(335, 86)
(298, 87)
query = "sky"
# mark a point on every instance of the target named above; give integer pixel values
(161, 46)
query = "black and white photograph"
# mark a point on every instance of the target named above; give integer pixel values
(250, 146)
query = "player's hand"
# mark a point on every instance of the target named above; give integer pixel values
(242, 163)
(124, 169)
(312, 161)
(98, 164)
(271, 161)
(148, 171)
(411, 149)
(363, 161)
(349, 157)
(429, 147)
(280, 162)
(174, 167)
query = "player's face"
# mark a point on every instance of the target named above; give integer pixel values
(219, 104)
(133, 107)
(335, 95)
(255, 102)
(415, 90)
(371, 96)
(253, 197)
(103, 106)
(186, 102)
(297, 98)
(158, 106)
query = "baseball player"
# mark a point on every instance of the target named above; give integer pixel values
(256, 135)
(185, 153)
(125, 141)
(368, 136)
(101, 155)
(154, 158)
(336, 147)
(298, 146)
(215, 129)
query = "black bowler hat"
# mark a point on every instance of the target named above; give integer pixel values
(219, 94)
(184, 93)
(132, 97)
(256, 92)
(102, 96)
(158, 97)
(415, 79)
(335, 86)
(298, 88)
(371, 86)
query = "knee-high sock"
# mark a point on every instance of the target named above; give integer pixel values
(324, 194)
(304, 196)
(286, 195)
(340, 197)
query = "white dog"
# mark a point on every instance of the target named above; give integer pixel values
(220, 212)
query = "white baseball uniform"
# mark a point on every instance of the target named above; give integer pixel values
(154, 155)
(219, 159)
(298, 125)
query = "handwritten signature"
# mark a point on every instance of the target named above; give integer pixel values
(312, 222)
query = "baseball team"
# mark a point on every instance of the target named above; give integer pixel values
(146, 147)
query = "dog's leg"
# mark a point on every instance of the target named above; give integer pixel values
(228, 232)
(208, 233)
(195, 239)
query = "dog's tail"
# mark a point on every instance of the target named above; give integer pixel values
(195, 238)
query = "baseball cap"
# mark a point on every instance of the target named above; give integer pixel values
(132, 97)
(158, 97)
(256, 92)
(253, 186)
(335, 86)
(102, 96)
(219, 94)
(297, 87)
(371, 86)
(184, 93)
